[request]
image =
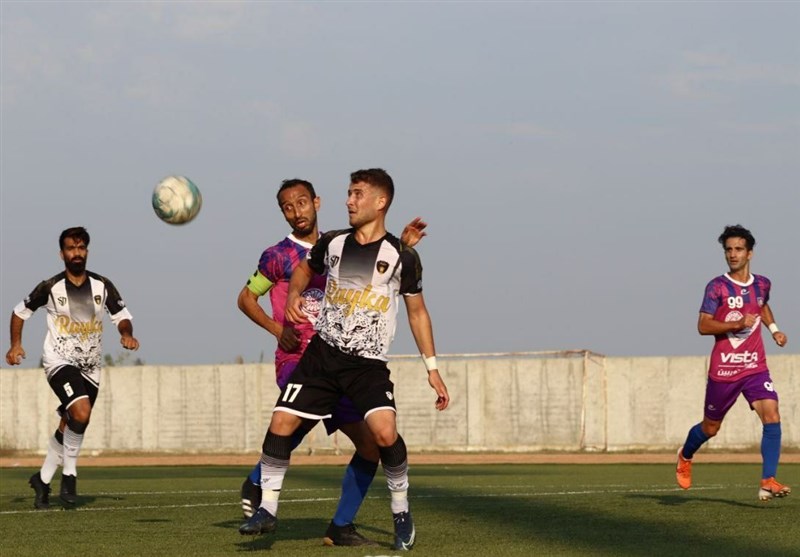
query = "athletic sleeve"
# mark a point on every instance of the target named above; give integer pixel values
(766, 287)
(115, 305)
(410, 272)
(317, 257)
(711, 299)
(36, 299)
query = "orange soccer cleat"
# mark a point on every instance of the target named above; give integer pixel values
(683, 471)
(771, 488)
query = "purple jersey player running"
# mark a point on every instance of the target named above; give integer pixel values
(299, 204)
(734, 307)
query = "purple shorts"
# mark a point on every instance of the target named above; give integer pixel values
(344, 413)
(720, 396)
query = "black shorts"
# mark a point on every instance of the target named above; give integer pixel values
(326, 374)
(69, 384)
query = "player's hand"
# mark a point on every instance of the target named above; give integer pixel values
(288, 339)
(294, 310)
(129, 342)
(435, 381)
(414, 232)
(748, 321)
(15, 355)
(780, 339)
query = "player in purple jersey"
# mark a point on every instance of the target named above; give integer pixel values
(75, 301)
(734, 307)
(368, 270)
(299, 204)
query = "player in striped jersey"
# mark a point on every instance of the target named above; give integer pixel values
(299, 204)
(75, 301)
(368, 269)
(734, 307)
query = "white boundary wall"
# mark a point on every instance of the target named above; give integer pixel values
(581, 401)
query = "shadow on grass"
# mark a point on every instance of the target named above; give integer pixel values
(548, 523)
(677, 500)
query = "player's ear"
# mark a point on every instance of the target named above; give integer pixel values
(317, 203)
(382, 202)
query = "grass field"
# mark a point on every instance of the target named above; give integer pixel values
(459, 510)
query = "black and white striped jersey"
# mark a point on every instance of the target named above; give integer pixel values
(359, 311)
(74, 320)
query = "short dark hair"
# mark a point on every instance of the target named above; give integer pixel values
(737, 231)
(377, 178)
(76, 233)
(286, 184)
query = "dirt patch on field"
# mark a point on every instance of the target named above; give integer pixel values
(149, 459)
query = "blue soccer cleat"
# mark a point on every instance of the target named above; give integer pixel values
(404, 532)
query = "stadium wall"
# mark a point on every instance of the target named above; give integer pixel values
(577, 401)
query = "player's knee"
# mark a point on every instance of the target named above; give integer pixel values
(77, 425)
(283, 423)
(771, 418)
(384, 436)
(711, 429)
(79, 417)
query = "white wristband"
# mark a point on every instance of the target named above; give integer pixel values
(430, 362)
(773, 328)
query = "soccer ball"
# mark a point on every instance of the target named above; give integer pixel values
(176, 200)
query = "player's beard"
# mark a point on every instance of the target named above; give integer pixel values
(76, 266)
(310, 224)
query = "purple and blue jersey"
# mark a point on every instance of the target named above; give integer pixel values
(741, 353)
(273, 275)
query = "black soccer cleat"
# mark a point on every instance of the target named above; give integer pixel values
(262, 522)
(345, 535)
(69, 492)
(42, 498)
(251, 497)
(404, 532)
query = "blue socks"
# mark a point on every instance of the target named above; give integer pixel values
(770, 450)
(357, 479)
(694, 441)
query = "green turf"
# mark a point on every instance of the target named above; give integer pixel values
(486, 511)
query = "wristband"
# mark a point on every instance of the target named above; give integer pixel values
(430, 362)
(773, 328)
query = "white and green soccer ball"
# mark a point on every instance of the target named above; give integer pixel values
(176, 200)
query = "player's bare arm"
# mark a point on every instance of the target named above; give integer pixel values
(127, 339)
(301, 276)
(707, 325)
(16, 353)
(248, 304)
(414, 232)
(767, 318)
(420, 322)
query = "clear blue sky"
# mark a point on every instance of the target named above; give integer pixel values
(576, 161)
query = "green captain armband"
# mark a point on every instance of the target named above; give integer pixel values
(258, 284)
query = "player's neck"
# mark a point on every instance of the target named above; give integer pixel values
(78, 279)
(370, 232)
(742, 275)
(310, 238)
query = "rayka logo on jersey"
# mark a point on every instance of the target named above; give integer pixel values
(382, 266)
(62, 300)
(355, 299)
(67, 326)
(745, 357)
(333, 261)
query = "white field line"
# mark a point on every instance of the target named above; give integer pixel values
(532, 494)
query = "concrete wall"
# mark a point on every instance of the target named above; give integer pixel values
(499, 402)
